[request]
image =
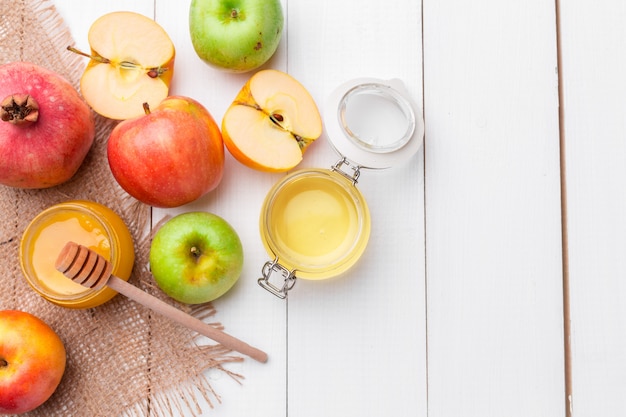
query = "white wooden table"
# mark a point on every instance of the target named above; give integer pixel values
(493, 283)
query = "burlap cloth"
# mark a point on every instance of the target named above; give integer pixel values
(122, 359)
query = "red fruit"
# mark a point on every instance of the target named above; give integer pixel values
(170, 156)
(32, 361)
(46, 128)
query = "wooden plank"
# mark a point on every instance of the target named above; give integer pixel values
(245, 311)
(594, 92)
(495, 329)
(357, 343)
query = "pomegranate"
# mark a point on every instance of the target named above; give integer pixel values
(46, 128)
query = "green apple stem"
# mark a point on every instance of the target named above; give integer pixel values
(19, 109)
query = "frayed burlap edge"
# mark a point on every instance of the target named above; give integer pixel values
(123, 360)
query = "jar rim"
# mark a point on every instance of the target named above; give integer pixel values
(392, 109)
(389, 125)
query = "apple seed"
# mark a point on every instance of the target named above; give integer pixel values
(155, 72)
(277, 117)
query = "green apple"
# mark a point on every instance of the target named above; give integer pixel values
(235, 35)
(196, 257)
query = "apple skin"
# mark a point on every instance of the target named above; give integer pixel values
(196, 257)
(235, 35)
(32, 362)
(48, 151)
(170, 156)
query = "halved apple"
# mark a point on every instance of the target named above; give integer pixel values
(271, 122)
(131, 63)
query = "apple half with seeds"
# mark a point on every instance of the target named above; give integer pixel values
(131, 63)
(271, 122)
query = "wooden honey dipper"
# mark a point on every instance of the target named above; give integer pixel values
(89, 269)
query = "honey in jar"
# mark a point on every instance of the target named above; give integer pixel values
(87, 223)
(317, 222)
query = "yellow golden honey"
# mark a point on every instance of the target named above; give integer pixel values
(316, 222)
(84, 222)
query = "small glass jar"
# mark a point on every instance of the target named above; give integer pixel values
(315, 223)
(86, 223)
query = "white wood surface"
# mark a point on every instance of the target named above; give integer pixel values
(593, 66)
(456, 308)
(493, 230)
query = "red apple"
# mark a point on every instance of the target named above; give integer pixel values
(46, 128)
(172, 155)
(32, 362)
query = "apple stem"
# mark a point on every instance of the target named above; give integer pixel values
(3, 363)
(19, 109)
(146, 108)
(95, 58)
(195, 252)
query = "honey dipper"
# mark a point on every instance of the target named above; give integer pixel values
(88, 268)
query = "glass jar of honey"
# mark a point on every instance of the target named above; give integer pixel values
(86, 223)
(315, 223)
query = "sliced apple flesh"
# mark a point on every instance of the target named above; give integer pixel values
(271, 122)
(132, 62)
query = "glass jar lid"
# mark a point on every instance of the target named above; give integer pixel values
(374, 122)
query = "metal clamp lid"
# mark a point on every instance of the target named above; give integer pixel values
(356, 170)
(289, 278)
